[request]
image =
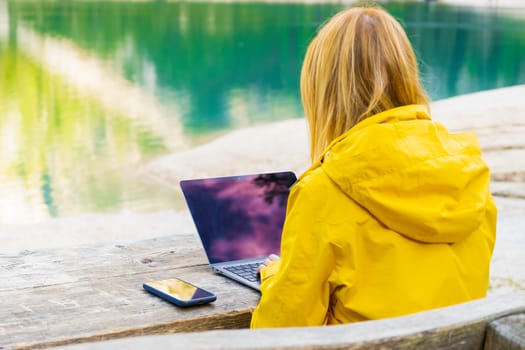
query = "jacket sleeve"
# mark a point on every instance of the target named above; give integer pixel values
(296, 289)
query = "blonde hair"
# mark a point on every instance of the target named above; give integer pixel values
(360, 63)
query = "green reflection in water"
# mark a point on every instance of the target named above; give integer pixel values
(154, 77)
(215, 54)
(61, 150)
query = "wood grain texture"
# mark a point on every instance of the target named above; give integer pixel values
(88, 293)
(461, 326)
(506, 333)
(94, 293)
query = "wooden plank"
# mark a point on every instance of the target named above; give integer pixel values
(64, 296)
(458, 327)
(88, 293)
(32, 269)
(506, 333)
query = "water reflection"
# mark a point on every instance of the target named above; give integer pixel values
(89, 89)
(65, 132)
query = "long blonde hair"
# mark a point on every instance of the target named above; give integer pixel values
(360, 63)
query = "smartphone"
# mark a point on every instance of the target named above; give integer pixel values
(179, 292)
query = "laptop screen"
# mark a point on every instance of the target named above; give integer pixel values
(239, 217)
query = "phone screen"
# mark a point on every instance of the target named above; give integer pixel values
(180, 290)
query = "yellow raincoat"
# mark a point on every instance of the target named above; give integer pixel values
(396, 217)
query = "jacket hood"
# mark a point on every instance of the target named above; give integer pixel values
(412, 175)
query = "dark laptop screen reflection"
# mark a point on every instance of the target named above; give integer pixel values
(239, 217)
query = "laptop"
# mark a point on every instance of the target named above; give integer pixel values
(239, 220)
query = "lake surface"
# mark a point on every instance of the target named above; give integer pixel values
(91, 90)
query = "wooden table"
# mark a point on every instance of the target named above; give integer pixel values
(87, 293)
(90, 293)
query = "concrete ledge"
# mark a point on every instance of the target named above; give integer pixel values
(506, 333)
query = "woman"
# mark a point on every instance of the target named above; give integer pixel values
(395, 214)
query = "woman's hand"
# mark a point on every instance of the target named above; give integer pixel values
(271, 258)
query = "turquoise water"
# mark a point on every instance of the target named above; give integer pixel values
(91, 90)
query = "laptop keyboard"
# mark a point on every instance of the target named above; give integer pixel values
(247, 271)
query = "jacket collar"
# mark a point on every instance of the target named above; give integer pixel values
(408, 112)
